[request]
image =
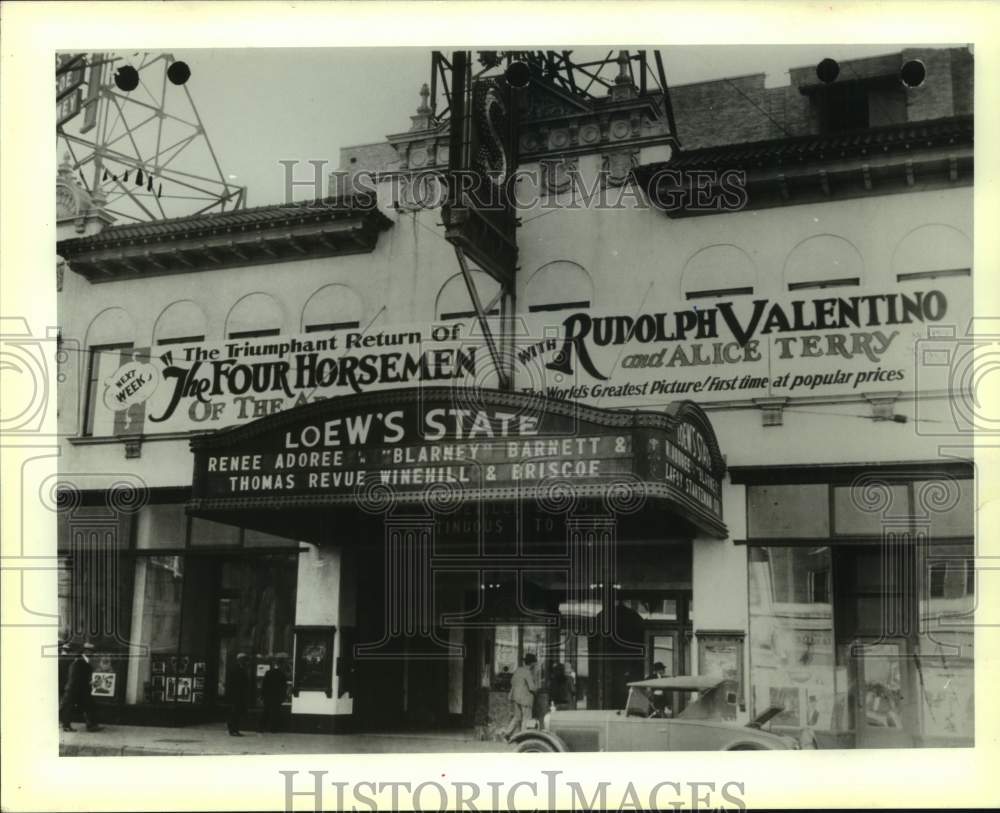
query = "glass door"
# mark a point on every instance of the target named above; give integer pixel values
(885, 686)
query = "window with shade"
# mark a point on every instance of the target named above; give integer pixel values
(824, 261)
(558, 286)
(719, 271)
(454, 302)
(257, 314)
(332, 307)
(181, 322)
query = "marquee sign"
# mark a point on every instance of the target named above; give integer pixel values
(445, 447)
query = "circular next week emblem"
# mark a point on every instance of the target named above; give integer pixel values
(132, 383)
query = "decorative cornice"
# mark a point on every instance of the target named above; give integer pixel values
(908, 157)
(225, 239)
(554, 125)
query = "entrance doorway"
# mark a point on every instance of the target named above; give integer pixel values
(877, 624)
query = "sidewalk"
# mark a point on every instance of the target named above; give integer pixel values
(123, 740)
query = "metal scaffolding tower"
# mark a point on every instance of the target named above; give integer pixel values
(144, 152)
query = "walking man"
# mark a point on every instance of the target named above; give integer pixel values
(237, 690)
(523, 685)
(77, 696)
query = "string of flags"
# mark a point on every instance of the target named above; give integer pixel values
(140, 179)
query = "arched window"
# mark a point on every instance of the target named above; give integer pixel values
(110, 342)
(930, 251)
(453, 300)
(559, 285)
(332, 307)
(255, 314)
(823, 261)
(111, 326)
(718, 271)
(179, 323)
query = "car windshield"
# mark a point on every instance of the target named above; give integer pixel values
(717, 703)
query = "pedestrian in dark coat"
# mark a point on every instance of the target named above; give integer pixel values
(76, 696)
(237, 693)
(273, 693)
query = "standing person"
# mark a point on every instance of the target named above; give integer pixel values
(658, 697)
(237, 691)
(77, 696)
(65, 659)
(523, 685)
(273, 693)
(560, 688)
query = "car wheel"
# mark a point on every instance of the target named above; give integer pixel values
(535, 745)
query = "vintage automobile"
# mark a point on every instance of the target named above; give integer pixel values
(688, 713)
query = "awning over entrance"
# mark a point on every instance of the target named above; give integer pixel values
(444, 447)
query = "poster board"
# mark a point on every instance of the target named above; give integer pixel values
(721, 653)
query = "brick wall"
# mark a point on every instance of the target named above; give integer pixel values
(741, 109)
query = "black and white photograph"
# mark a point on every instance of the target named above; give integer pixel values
(408, 377)
(579, 400)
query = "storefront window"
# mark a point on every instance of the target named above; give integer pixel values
(207, 533)
(663, 652)
(255, 613)
(654, 609)
(259, 539)
(946, 647)
(506, 641)
(791, 638)
(788, 511)
(865, 511)
(156, 618)
(949, 506)
(161, 526)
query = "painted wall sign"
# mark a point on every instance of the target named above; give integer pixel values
(208, 385)
(726, 350)
(852, 341)
(478, 443)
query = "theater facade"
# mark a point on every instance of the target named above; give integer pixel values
(734, 442)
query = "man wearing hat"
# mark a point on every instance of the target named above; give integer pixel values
(658, 697)
(237, 693)
(273, 691)
(523, 685)
(77, 696)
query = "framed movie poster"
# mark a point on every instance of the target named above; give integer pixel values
(313, 670)
(184, 689)
(720, 653)
(199, 668)
(171, 693)
(103, 684)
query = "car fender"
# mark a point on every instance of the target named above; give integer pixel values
(749, 745)
(537, 734)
